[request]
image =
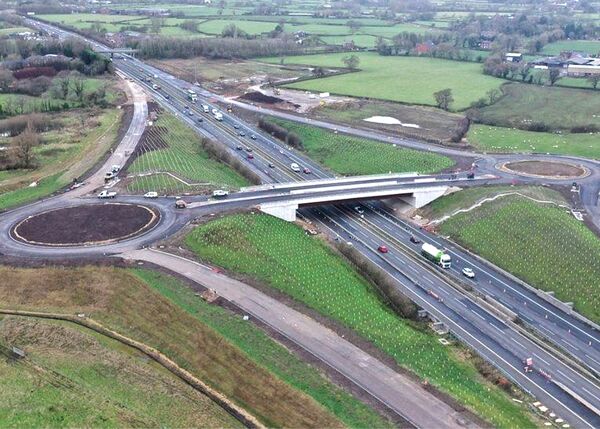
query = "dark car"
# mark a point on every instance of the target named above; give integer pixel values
(239, 147)
(242, 134)
(253, 137)
(271, 165)
(470, 175)
(250, 156)
(248, 149)
(200, 120)
(414, 239)
(306, 170)
(236, 126)
(167, 96)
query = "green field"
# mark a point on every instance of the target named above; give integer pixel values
(500, 140)
(281, 255)
(361, 40)
(406, 79)
(542, 244)
(524, 105)
(591, 47)
(170, 159)
(266, 352)
(251, 27)
(356, 156)
(73, 377)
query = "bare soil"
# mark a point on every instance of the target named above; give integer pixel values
(546, 169)
(94, 223)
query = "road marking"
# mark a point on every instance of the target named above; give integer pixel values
(540, 358)
(565, 375)
(479, 315)
(590, 393)
(592, 359)
(518, 343)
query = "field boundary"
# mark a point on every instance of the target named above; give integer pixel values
(237, 412)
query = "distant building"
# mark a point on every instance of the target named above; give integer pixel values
(485, 44)
(513, 57)
(424, 48)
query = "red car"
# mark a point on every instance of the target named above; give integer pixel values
(306, 170)
(383, 249)
(250, 156)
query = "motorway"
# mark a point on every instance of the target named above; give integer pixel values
(490, 335)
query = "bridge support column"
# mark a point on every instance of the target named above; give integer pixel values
(285, 211)
(423, 197)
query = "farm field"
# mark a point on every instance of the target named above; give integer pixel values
(356, 156)
(591, 47)
(10, 30)
(68, 151)
(542, 244)
(361, 40)
(216, 26)
(433, 124)
(281, 255)
(394, 78)
(169, 159)
(129, 302)
(524, 106)
(504, 140)
(265, 352)
(82, 379)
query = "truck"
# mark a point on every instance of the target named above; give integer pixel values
(192, 96)
(436, 255)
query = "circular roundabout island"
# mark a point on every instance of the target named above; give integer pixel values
(91, 224)
(557, 170)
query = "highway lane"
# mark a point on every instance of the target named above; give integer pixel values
(283, 174)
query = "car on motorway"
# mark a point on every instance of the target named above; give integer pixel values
(190, 113)
(151, 194)
(295, 167)
(186, 107)
(167, 96)
(306, 170)
(250, 156)
(107, 194)
(220, 193)
(242, 134)
(359, 210)
(468, 272)
(236, 126)
(271, 165)
(383, 249)
(248, 149)
(253, 137)
(414, 239)
(200, 119)
(239, 147)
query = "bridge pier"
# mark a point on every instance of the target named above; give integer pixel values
(285, 211)
(424, 197)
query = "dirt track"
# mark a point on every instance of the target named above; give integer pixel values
(94, 223)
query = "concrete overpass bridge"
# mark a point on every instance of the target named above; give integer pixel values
(282, 200)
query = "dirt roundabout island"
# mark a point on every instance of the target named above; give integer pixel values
(546, 169)
(86, 224)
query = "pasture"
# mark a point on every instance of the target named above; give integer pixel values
(542, 244)
(351, 156)
(591, 47)
(282, 256)
(524, 106)
(411, 80)
(505, 140)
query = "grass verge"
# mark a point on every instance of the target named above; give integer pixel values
(281, 255)
(355, 155)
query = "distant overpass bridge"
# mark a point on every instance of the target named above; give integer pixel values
(111, 52)
(282, 200)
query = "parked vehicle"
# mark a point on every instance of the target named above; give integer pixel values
(470, 175)
(109, 176)
(180, 204)
(107, 194)
(220, 193)
(151, 194)
(436, 255)
(116, 168)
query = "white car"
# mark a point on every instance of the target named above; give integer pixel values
(151, 194)
(107, 194)
(359, 210)
(468, 272)
(220, 193)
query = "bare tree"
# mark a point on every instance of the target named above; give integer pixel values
(354, 26)
(444, 98)
(65, 83)
(23, 147)
(351, 61)
(78, 87)
(553, 76)
(493, 95)
(594, 80)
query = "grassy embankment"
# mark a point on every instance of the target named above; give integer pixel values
(282, 256)
(172, 147)
(226, 352)
(67, 152)
(542, 244)
(410, 80)
(75, 378)
(355, 156)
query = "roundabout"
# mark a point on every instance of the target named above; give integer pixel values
(546, 169)
(86, 225)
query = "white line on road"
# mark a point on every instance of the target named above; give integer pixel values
(565, 375)
(540, 358)
(590, 393)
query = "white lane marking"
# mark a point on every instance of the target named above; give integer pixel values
(590, 393)
(518, 343)
(540, 358)
(565, 375)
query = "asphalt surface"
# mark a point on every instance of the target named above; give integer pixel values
(573, 394)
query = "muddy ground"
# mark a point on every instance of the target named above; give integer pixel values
(548, 169)
(92, 223)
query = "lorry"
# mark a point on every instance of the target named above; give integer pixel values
(436, 255)
(192, 95)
